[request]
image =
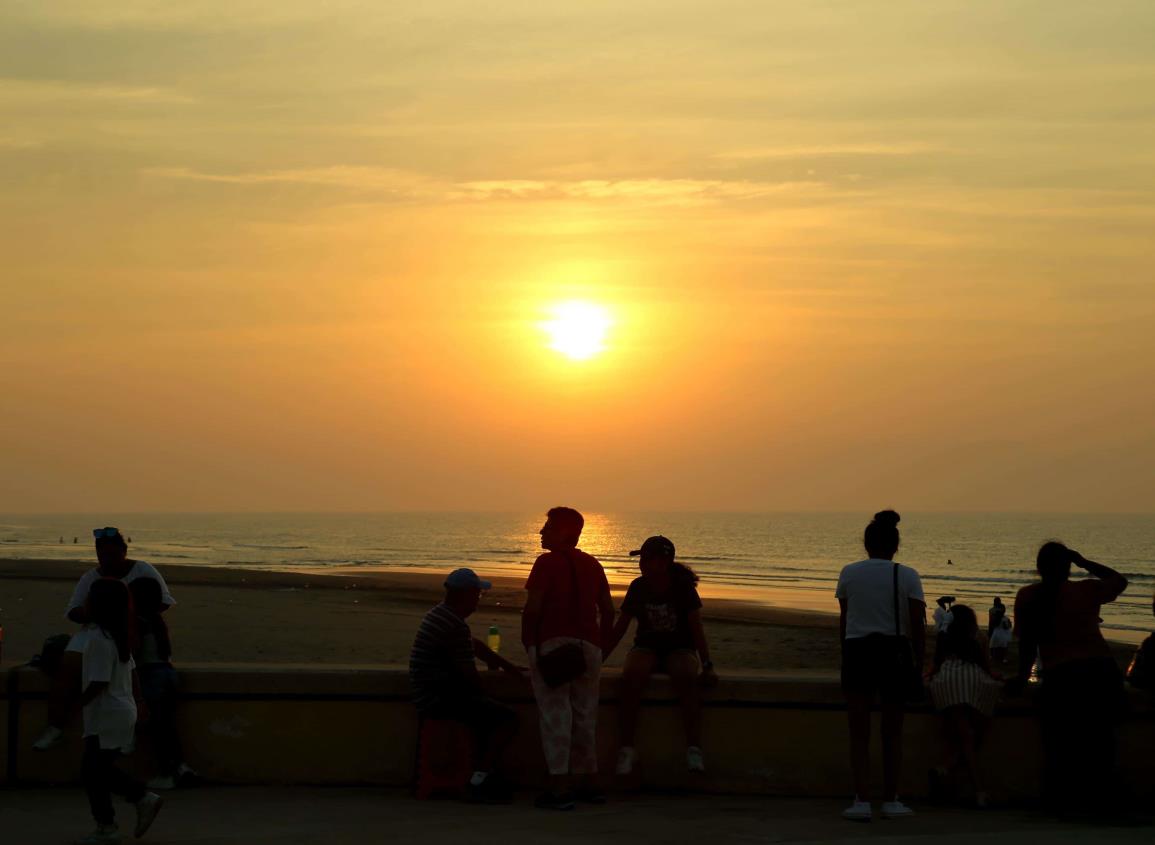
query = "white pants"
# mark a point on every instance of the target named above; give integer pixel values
(569, 713)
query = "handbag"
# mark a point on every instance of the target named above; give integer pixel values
(568, 661)
(906, 667)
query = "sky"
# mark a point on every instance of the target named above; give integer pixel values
(265, 255)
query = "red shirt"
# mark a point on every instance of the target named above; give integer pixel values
(1075, 634)
(573, 582)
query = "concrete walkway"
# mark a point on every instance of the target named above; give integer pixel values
(354, 816)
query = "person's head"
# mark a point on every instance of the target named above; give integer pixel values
(109, 606)
(964, 623)
(147, 597)
(881, 535)
(111, 552)
(1053, 563)
(655, 556)
(998, 602)
(943, 602)
(562, 529)
(463, 591)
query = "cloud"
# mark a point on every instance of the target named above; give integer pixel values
(816, 151)
(403, 184)
(42, 91)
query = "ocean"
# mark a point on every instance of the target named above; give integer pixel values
(779, 558)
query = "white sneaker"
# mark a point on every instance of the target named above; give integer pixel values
(694, 760)
(105, 834)
(162, 782)
(49, 738)
(627, 757)
(859, 811)
(895, 810)
(146, 810)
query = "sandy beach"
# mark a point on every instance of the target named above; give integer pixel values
(235, 615)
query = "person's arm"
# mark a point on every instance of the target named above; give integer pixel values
(917, 610)
(605, 614)
(92, 692)
(531, 617)
(1113, 583)
(494, 660)
(78, 615)
(620, 627)
(709, 676)
(841, 622)
(77, 612)
(1028, 646)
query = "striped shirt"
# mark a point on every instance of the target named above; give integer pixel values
(441, 663)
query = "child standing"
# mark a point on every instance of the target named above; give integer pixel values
(108, 681)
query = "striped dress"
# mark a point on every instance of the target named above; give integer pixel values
(962, 682)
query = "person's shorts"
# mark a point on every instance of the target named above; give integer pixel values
(663, 656)
(482, 715)
(870, 666)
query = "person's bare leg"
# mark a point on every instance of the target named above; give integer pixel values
(892, 718)
(636, 673)
(683, 669)
(858, 719)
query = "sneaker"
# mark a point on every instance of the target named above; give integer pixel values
(551, 801)
(51, 737)
(895, 810)
(627, 758)
(146, 810)
(105, 834)
(694, 760)
(859, 811)
(589, 795)
(162, 782)
(492, 790)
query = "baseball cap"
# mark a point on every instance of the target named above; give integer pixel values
(465, 579)
(657, 545)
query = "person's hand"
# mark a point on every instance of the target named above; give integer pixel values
(708, 678)
(1077, 559)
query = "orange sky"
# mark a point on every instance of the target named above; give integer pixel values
(268, 255)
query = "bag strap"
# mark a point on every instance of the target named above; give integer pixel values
(897, 622)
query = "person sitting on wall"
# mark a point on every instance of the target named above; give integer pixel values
(112, 562)
(445, 683)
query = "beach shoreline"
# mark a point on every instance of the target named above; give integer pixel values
(232, 615)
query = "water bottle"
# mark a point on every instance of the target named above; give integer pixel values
(493, 639)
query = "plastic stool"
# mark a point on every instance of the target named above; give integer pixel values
(444, 758)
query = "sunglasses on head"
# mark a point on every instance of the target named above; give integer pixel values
(101, 533)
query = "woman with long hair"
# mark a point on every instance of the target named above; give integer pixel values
(965, 692)
(110, 693)
(882, 624)
(670, 640)
(1081, 693)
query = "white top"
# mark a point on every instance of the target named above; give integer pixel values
(868, 587)
(942, 620)
(111, 716)
(139, 569)
(1001, 635)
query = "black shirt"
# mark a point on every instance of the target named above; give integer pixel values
(663, 618)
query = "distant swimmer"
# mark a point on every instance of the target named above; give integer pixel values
(62, 539)
(949, 562)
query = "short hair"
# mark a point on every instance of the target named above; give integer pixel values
(568, 518)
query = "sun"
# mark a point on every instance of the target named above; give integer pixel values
(578, 329)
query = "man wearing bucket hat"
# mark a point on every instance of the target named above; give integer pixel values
(445, 683)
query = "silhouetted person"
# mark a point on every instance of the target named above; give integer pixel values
(1081, 694)
(568, 617)
(883, 633)
(995, 616)
(669, 640)
(965, 692)
(445, 683)
(1001, 641)
(112, 562)
(1141, 672)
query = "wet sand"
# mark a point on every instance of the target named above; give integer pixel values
(238, 615)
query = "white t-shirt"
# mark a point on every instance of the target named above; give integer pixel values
(1001, 635)
(111, 716)
(139, 569)
(868, 587)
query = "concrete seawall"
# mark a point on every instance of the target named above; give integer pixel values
(781, 735)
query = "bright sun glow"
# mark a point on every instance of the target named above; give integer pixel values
(578, 329)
